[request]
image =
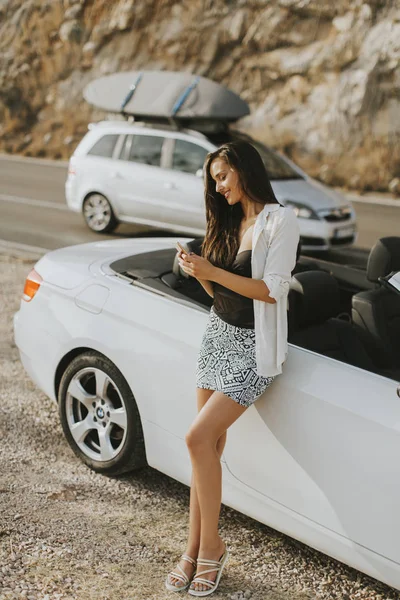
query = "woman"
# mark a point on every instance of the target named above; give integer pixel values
(248, 254)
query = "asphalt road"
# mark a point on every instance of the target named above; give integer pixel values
(33, 212)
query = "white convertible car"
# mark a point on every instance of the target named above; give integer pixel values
(111, 330)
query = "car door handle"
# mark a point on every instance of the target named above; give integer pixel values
(116, 175)
(169, 185)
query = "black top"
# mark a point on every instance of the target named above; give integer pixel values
(231, 307)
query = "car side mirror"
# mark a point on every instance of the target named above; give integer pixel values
(199, 173)
(391, 281)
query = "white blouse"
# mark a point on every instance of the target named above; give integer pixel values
(275, 240)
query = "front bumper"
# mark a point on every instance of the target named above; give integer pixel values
(322, 235)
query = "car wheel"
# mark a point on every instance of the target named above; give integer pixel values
(99, 415)
(98, 214)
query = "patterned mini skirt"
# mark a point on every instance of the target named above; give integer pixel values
(227, 362)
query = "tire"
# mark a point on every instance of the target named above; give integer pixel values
(110, 438)
(98, 214)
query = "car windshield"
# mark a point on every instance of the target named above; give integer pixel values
(277, 168)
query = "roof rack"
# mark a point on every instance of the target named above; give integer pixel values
(192, 129)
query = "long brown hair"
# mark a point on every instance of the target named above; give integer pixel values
(221, 241)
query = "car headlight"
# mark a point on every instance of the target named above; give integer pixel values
(301, 210)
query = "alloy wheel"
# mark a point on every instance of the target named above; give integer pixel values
(96, 414)
(97, 212)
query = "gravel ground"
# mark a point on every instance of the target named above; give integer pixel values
(68, 533)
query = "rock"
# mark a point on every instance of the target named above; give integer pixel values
(88, 53)
(344, 22)
(50, 96)
(294, 93)
(324, 174)
(56, 125)
(122, 16)
(365, 12)
(351, 92)
(355, 182)
(71, 31)
(265, 31)
(320, 8)
(24, 68)
(234, 26)
(394, 186)
(64, 494)
(290, 61)
(73, 12)
(99, 33)
(171, 29)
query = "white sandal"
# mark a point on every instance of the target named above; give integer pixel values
(181, 576)
(216, 565)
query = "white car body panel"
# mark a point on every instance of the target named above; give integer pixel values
(314, 457)
(183, 201)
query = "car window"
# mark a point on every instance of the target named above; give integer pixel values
(276, 167)
(146, 149)
(188, 157)
(104, 146)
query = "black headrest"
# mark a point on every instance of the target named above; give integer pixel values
(384, 258)
(313, 298)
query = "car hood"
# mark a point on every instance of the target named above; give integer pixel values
(310, 192)
(69, 267)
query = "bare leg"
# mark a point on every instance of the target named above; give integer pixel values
(193, 544)
(215, 418)
(194, 515)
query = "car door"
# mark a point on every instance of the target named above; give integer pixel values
(154, 340)
(321, 441)
(184, 187)
(138, 178)
(92, 163)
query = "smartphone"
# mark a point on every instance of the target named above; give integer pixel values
(181, 248)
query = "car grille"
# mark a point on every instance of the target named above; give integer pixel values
(336, 215)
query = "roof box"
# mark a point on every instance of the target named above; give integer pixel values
(182, 98)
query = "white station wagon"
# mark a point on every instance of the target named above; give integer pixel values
(123, 172)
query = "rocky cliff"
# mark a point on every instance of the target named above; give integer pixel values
(322, 76)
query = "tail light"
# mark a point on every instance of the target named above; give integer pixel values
(32, 284)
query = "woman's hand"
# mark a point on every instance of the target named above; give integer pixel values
(196, 266)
